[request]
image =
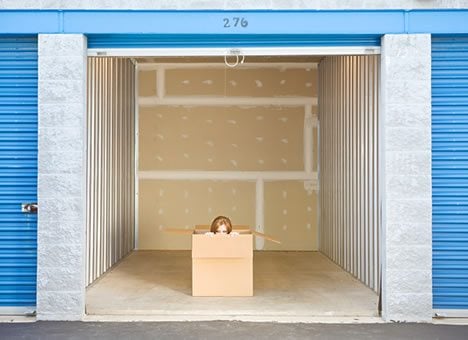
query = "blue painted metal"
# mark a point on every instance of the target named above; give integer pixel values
(18, 170)
(29, 22)
(174, 40)
(259, 22)
(312, 22)
(450, 172)
(439, 22)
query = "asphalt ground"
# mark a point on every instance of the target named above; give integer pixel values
(227, 330)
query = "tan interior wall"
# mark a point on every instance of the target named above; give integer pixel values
(183, 204)
(204, 137)
(242, 82)
(147, 83)
(221, 138)
(291, 216)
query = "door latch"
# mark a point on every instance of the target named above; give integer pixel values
(30, 208)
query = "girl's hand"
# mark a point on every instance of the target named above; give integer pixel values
(209, 233)
(234, 233)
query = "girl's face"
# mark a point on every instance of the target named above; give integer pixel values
(222, 229)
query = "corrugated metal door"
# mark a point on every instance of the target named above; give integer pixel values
(18, 173)
(450, 173)
(105, 41)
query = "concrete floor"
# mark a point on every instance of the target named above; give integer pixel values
(285, 284)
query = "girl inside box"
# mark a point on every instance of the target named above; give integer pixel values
(221, 225)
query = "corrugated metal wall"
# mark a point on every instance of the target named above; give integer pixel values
(111, 163)
(349, 191)
(18, 171)
(450, 173)
(106, 41)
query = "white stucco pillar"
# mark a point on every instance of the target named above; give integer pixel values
(61, 177)
(406, 181)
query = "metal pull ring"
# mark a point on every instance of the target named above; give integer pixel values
(241, 61)
(231, 65)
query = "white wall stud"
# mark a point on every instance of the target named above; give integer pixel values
(259, 213)
(160, 82)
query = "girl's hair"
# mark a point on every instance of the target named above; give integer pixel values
(219, 221)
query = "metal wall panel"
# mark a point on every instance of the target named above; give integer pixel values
(18, 172)
(111, 163)
(349, 192)
(450, 173)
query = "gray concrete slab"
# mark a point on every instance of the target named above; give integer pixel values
(227, 330)
(285, 284)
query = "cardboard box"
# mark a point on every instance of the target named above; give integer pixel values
(222, 265)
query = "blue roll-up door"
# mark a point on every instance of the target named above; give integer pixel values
(106, 41)
(18, 172)
(450, 172)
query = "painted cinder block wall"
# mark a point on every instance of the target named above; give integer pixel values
(61, 177)
(406, 177)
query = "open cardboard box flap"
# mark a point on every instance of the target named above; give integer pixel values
(203, 228)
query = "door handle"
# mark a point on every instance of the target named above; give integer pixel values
(30, 208)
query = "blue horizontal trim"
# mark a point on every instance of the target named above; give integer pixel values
(29, 22)
(446, 22)
(212, 22)
(323, 22)
(212, 40)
